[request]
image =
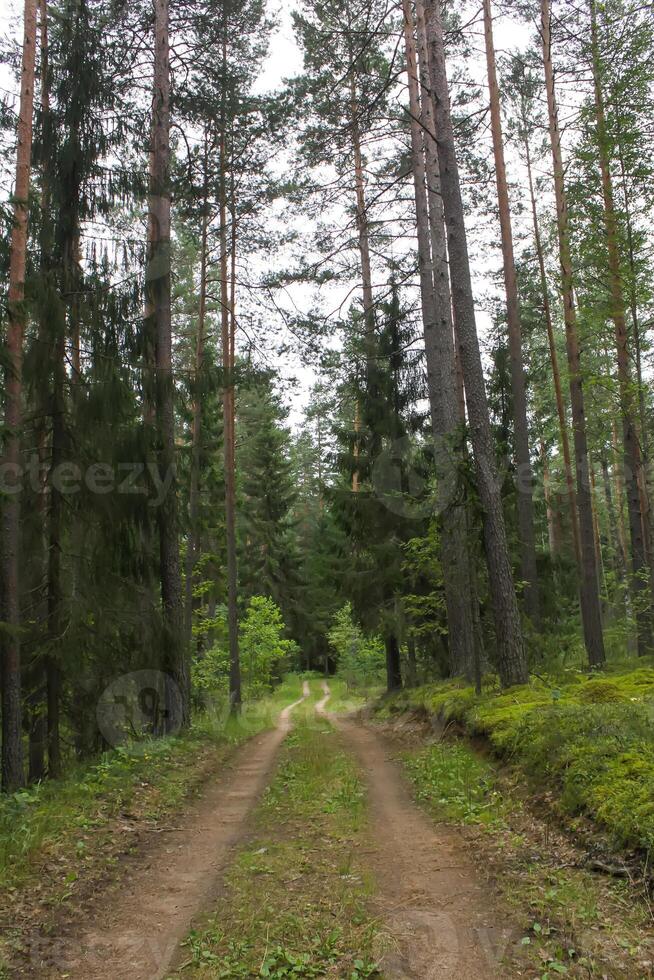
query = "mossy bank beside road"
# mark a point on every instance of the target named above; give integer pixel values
(587, 740)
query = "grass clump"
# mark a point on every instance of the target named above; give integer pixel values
(296, 898)
(455, 783)
(588, 738)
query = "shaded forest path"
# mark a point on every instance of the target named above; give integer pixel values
(136, 928)
(430, 898)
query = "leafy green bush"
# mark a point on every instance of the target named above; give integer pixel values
(360, 658)
(265, 653)
(265, 656)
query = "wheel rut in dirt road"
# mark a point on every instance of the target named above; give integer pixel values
(138, 926)
(436, 911)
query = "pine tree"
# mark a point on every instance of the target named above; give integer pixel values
(590, 605)
(511, 660)
(12, 757)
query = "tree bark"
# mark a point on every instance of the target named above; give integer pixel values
(439, 355)
(159, 288)
(37, 699)
(12, 749)
(554, 359)
(620, 557)
(235, 692)
(192, 550)
(590, 603)
(362, 215)
(412, 662)
(393, 664)
(518, 383)
(511, 661)
(632, 461)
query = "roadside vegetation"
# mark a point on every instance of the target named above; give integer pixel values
(588, 740)
(295, 902)
(557, 800)
(59, 837)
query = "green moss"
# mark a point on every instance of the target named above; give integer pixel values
(589, 739)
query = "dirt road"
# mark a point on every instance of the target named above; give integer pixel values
(139, 925)
(436, 911)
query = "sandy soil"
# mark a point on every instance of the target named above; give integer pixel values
(137, 928)
(438, 916)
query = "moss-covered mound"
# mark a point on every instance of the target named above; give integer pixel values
(589, 738)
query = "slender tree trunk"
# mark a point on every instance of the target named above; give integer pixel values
(38, 719)
(364, 258)
(55, 555)
(356, 450)
(518, 384)
(362, 215)
(192, 550)
(628, 407)
(235, 693)
(412, 669)
(439, 354)
(393, 664)
(552, 536)
(596, 527)
(590, 603)
(12, 750)
(511, 661)
(645, 469)
(620, 557)
(159, 286)
(619, 492)
(556, 374)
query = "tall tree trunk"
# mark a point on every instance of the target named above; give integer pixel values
(55, 553)
(393, 664)
(596, 527)
(12, 750)
(590, 603)
(552, 529)
(159, 286)
(37, 724)
(192, 550)
(511, 661)
(554, 359)
(628, 408)
(645, 470)
(518, 384)
(362, 214)
(235, 693)
(439, 355)
(619, 492)
(620, 557)
(364, 258)
(412, 662)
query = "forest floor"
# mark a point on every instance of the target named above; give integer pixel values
(306, 855)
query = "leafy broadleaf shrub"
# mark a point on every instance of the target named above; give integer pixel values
(360, 658)
(265, 656)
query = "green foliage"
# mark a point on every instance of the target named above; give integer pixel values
(455, 782)
(590, 739)
(360, 659)
(265, 653)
